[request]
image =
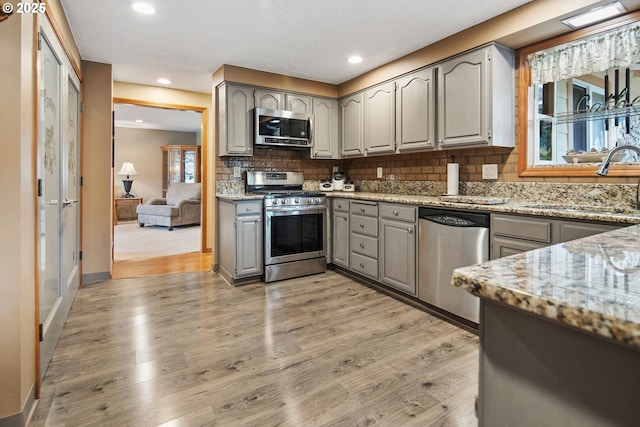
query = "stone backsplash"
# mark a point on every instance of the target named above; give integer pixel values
(618, 195)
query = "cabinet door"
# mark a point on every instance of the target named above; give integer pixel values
(398, 255)
(249, 260)
(298, 103)
(325, 128)
(463, 100)
(415, 111)
(351, 114)
(379, 119)
(235, 120)
(341, 239)
(269, 99)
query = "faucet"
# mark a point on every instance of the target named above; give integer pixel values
(603, 170)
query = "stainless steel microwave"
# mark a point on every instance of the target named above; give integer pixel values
(282, 129)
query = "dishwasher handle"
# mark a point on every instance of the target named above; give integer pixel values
(454, 218)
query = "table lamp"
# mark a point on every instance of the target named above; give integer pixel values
(127, 169)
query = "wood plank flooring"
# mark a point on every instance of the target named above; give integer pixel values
(190, 350)
(171, 264)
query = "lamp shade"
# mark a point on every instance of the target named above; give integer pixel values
(127, 169)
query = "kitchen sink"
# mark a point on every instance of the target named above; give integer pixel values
(580, 208)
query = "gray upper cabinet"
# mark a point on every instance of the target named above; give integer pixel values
(379, 119)
(298, 103)
(270, 99)
(325, 134)
(235, 120)
(351, 118)
(415, 111)
(476, 99)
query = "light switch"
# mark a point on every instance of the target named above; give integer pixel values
(489, 171)
(335, 169)
(237, 172)
(379, 172)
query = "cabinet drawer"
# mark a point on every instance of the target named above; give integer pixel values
(398, 212)
(364, 245)
(341, 205)
(535, 229)
(252, 207)
(364, 265)
(364, 209)
(364, 225)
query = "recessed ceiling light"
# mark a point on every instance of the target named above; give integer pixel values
(164, 81)
(142, 7)
(595, 15)
(139, 121)
(355, 59)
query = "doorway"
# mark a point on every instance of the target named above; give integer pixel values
(146, 140)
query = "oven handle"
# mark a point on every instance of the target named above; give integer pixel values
(302, 210)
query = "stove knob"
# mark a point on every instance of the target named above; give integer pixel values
(297, 200)
(318, 200)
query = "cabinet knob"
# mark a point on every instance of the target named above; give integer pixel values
(361, 225)
(361, 246)
(361, 265)
(316, 153)
(249, 209)
(362, 210)
(410, 230)
(395, 213)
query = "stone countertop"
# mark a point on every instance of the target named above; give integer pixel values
(592, 283)
(484, 204)
(491, 204)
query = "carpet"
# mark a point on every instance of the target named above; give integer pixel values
(132, 242)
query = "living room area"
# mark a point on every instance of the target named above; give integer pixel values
(154, 150)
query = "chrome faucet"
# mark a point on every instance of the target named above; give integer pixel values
(603, 170)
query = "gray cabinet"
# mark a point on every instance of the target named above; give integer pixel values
(512, 234)
(398, 242)
(235, 120)
(340, 233)
(415, 111)
(379, 119)
(325, 134)
(476, 99)
(270, 99)
(241, 237)
(364, 238)
(351, 122)
(298, 103)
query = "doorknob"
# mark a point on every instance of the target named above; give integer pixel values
(68, 202)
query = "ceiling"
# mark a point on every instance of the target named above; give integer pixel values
(187, 40)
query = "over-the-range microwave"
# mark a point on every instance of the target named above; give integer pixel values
(282, 129)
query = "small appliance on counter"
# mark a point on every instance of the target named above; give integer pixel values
(338, 181)
(348, 186)
(326, 185)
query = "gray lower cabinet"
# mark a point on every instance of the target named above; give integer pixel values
(240, 239)
(398, 242)
(340, 233)
(512, 234)
(364, 238)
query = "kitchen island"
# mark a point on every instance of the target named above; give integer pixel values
(560, 333)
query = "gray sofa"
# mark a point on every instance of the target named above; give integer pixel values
(180, 207)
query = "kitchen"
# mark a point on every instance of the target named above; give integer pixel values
(425, 172)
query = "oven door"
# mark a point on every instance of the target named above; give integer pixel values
(294, 233)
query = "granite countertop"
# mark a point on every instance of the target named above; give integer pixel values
(592, 284)
(484, 204)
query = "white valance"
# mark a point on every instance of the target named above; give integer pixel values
(613, 49)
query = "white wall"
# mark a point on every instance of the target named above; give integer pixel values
(142, 148)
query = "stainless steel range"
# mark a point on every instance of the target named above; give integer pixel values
(294, 228)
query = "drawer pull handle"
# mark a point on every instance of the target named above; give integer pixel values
(395, 213)
(361, 265)
(361, 225)
(361, 246)
(362, 210)
(249, 209)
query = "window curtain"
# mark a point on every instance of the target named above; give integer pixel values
(613, 49)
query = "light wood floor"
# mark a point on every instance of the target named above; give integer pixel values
(190, 350)
(172, 264)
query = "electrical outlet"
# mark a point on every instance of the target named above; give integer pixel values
(237, 172)
(379, 172)
(335, 169)
(489, 171)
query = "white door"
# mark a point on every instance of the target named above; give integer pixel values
(58, 189)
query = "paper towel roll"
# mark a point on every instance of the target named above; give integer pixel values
(452, 178)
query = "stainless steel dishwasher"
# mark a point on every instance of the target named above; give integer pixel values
(448, 240)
